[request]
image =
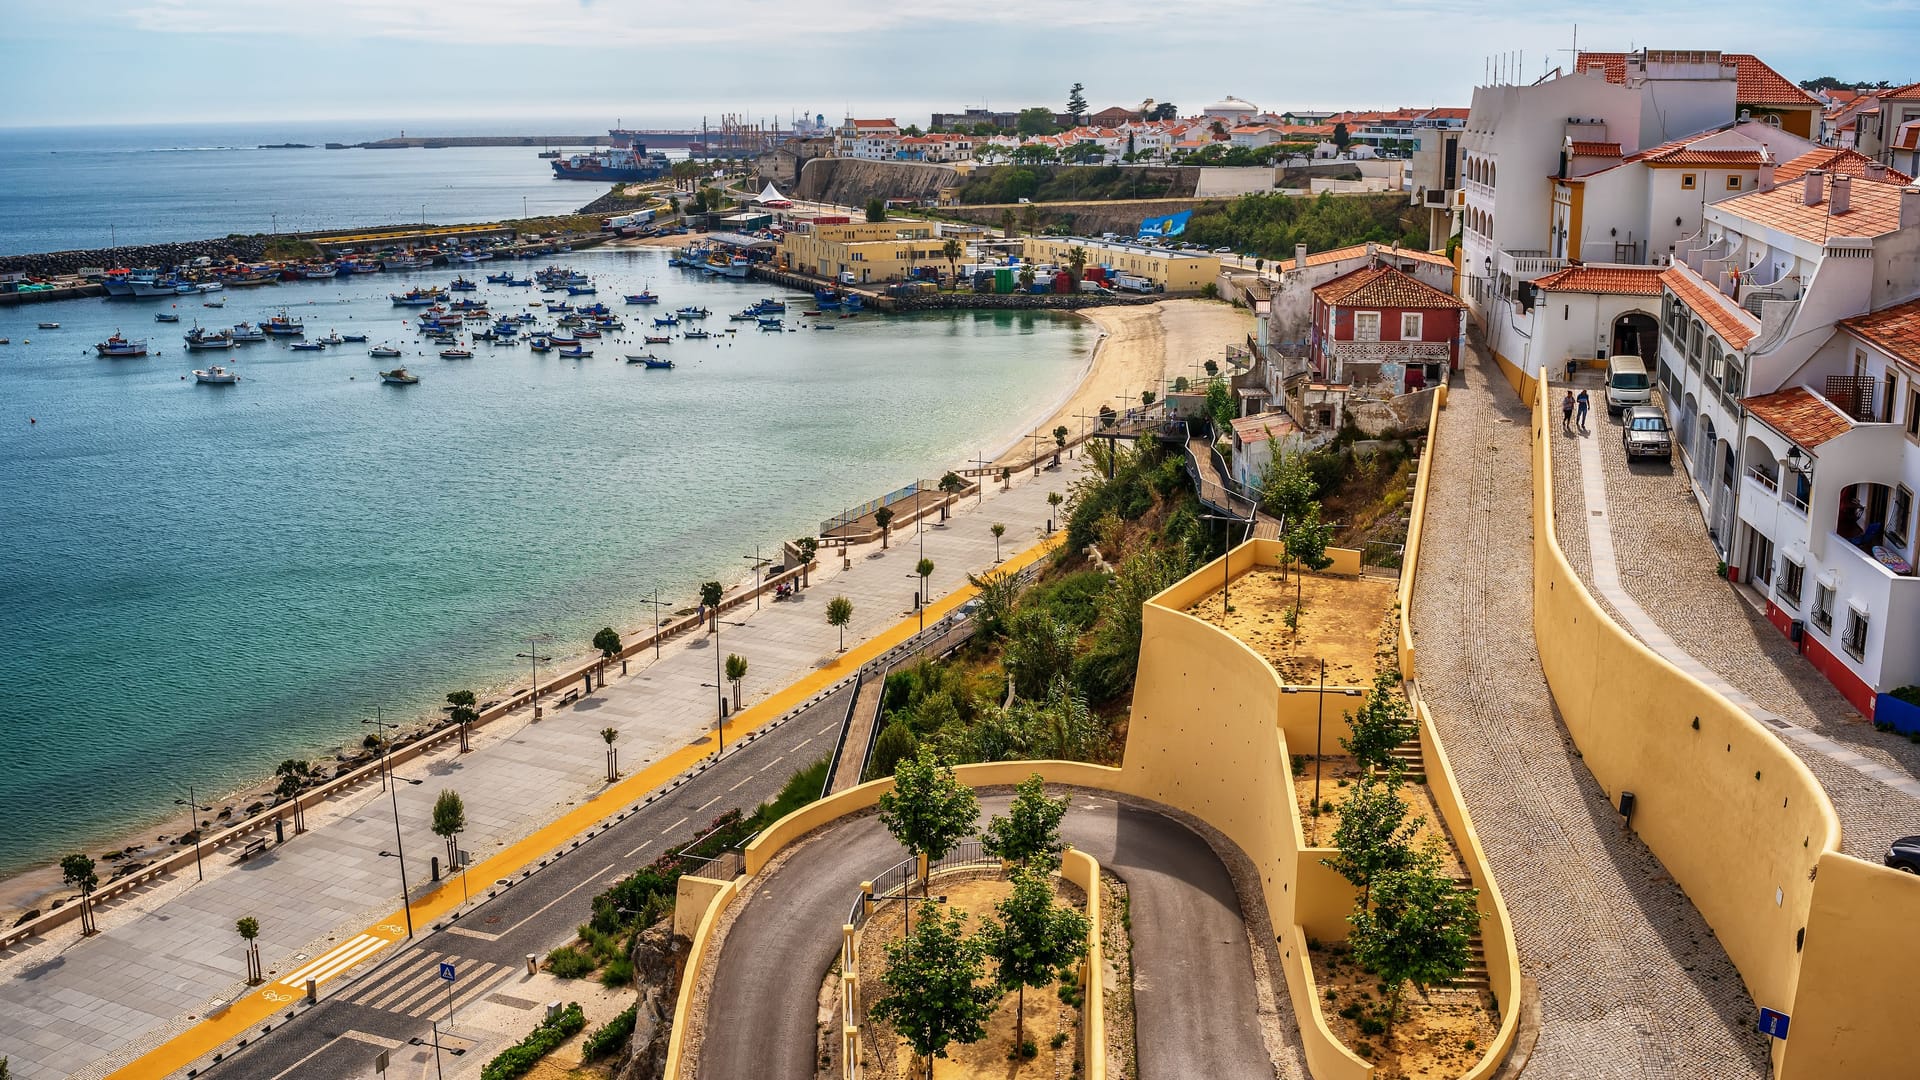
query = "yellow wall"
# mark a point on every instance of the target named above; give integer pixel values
(1416, 522)
(1860, 977)
(1084, 870)
(702, 940)
(1188, 272)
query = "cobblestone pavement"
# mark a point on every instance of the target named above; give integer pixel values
(1631, 980)
(1667, 567)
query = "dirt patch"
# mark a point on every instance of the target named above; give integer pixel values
(1116, 947)
(1047, 1017)
(1344, 621)
(1439, 1034)
(1337, 774)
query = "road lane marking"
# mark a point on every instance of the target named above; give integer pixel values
(741, 784)
(706, 804)
(336, 960)
(772, 763)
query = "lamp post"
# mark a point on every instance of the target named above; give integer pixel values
(400, 851)
(655, 602)
(1319, 727)
(720, 690)
(380, 727)
(194, 810)
(758, 563)
(1226, 557)
(534, 641)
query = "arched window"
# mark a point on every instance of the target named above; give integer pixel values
(1693, 341)
(1733, 379)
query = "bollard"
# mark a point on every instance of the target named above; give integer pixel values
(436, 868)
(533, 964)
(313, 992)
(279, 830)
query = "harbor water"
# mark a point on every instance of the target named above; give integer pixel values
(203, 580)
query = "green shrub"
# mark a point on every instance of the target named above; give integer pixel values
(1908, 694)
(618, 972)
(1059, 1040)
(609, 1039)
(1351, 1012)
(567, 962)
(519, 1059)
(1028, 1050)
(1371, 1026)
(1469, 1044)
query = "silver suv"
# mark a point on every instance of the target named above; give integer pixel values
(1644, 432)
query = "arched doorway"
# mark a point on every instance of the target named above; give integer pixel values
(1636, 334)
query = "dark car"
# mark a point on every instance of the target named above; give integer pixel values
(1644, 432)
(1905, 855)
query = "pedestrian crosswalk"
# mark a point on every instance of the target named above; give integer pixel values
(416, 988)
(336, 960)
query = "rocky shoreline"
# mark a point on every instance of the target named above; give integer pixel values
(51, 263)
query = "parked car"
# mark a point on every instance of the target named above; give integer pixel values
(1627, 383)
(1644, 433)
(1904, 856)
(1223, 250)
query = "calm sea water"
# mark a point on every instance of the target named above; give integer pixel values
(200, 581)
(65, 188)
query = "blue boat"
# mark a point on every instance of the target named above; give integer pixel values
(580, 290)
(505, 277)
(826, 298)
(851, 302)
(461, 284)
(593, 309)
(769, 306)
(541, 344)
(559, 305)
(643, 298)
(670, 320)
(653, 363)
(521, 283)
(693, 313)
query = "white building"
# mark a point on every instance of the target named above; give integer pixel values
(870, 140)
(1230, 110)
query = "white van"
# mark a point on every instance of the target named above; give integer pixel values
(1627, 383)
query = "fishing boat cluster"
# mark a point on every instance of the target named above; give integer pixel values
(454, 319)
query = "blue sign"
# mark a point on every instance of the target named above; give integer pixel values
(1171, 225)
(1774, 1023)
(446, 971)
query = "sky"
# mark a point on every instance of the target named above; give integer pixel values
(510, 65)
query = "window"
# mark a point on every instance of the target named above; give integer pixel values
(1733, 182)
(1892, 398)
(1366, 326)
(1731, 378)
(1913, 410)
(1823, 607)
(1409, 326)
(1688, 181)
(1792, 576)
(1856, 639)
(1899, 514)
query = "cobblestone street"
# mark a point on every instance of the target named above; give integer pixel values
(1666, 564)
(1631, 981)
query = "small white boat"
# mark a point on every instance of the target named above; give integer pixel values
(398, 377)
(456, 354)
(246, 332)
(383, 352)
(216, 376)
(308, 346)
(332, 338)
(354, 338)
(49, 326)
(117, 347)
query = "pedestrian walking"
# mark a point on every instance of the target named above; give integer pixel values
(1571, 365)
(1566, 413)
(1585, 404)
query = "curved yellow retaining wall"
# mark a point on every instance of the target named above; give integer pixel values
(1738, 821)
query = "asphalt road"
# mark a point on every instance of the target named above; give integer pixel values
(339, 1037)
(1194, 999)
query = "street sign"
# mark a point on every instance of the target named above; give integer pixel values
(446, 971)
(1774, 1023)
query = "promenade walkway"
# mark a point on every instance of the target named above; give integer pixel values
(1631, 981)
(169, 956)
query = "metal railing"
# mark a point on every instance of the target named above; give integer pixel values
(1764, 479)
(854, 514)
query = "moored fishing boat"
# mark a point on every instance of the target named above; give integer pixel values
(383, 352)
(661, 340)
(166, 316)
(117, 347)
(654, 363)
(319, 271)
(670, 320)
(576, 352)
(282, 325)
(501, 278)
(354, 338)
(199, 340)
(416, 298)
(697, 334)
(246, 332)
(540, 344)
(461, 284)
(216, 376)
(642, 298)
(399, 377)
(456, 354)
(333, 338)
(308, 346)
(693, 312)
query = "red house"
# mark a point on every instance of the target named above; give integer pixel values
(1378, 325)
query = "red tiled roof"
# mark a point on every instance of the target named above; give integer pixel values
(1874, 210)
(1734, 326)
(874, 124)
(1800, 415)
(1756, 83)
(1895, 330)
(1850, 162)
(1615, 280)
(1359, 251)
(1689, 156)
(1383, 287)
(1596, 149)
(1910, 92)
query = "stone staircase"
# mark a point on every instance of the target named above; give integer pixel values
(1412, 761)
(1474, 978)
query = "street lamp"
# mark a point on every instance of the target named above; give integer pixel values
(720, 689)
(1226, 557)
(534, 641)
(758, 563)
(1319, 723)
(656, 602)
(393, 795)
(380, 727)
(194, 810)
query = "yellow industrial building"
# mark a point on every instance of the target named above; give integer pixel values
(871, 251)
(1174, 271)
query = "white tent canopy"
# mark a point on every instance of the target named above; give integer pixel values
(772, 197)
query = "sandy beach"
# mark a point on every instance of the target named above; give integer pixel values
(1140, 349)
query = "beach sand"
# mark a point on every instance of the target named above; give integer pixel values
(1141, 349)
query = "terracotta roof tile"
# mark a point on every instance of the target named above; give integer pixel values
(1615, 280)
(1799, 414)
(1910, 92)
(1359, 251)
(1383, 287)
(1690, 156)
(1895, 330)
(1757, 84)
(1850, 162)
(1735, 327)
(1596, 149)
(1874, 210)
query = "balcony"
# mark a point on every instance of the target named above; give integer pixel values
(1386, 352)
(1764, 479)
(1525, 265)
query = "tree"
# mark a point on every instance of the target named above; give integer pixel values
(1033, 940)
(895, 743)
(294, 776)
(1147, 397)
(1287, 486)
(1374, 836)
(1076, 264)
(1060, 437)
(608, 642)
(1006, 222)
(1307, 539)
(1180, 384)
(1165, 110)
(997, 529)
(460, 710)
(809, 548)
(710, 594)
(1054, 499)
(1040, 648)
(951, 485)
(998, 594)
(249, 928)
(1211, 367)
(951, 248)
(1341, 138)
(839, 614)
(925, 569)
(1084, 151)
(1077, 102)
(1419, 929)
(1030, 833)
(1035, 121)
(449, 821)
(609, 734)
(1026, 274)
(1220, 406)
(876, 209)
(883, 517)
(936, 995)
(77, 871)
(1382, 722)
(736, 672)
(928, 810)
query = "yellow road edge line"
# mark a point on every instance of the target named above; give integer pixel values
(259, 1006)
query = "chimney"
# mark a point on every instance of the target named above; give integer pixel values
(1746, 115)
(1910, 207)
(1816, 180)
(1373, 253)
(1842, 195)
(1877, 170)
(1299, 256)
(1766, 174)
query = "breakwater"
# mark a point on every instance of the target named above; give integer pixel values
(51, 263)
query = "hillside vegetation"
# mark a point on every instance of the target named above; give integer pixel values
(1270, 225)
(1046, 183)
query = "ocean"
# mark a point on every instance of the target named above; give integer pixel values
(201, 581)
(94, 187)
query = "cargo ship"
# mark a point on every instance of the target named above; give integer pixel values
(618, 163)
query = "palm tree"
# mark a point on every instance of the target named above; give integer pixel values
(1076, 264)
(460, 710)
(998, 530)
(613, 759)
(736, 671)
(1054, 499)
(1060, 437)
(952, 249)
(839, 614)
(1026, 276)
(883, 517)
(293, 774)
(249, 928)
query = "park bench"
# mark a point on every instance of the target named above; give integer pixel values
(572, 695)
(253, 847)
